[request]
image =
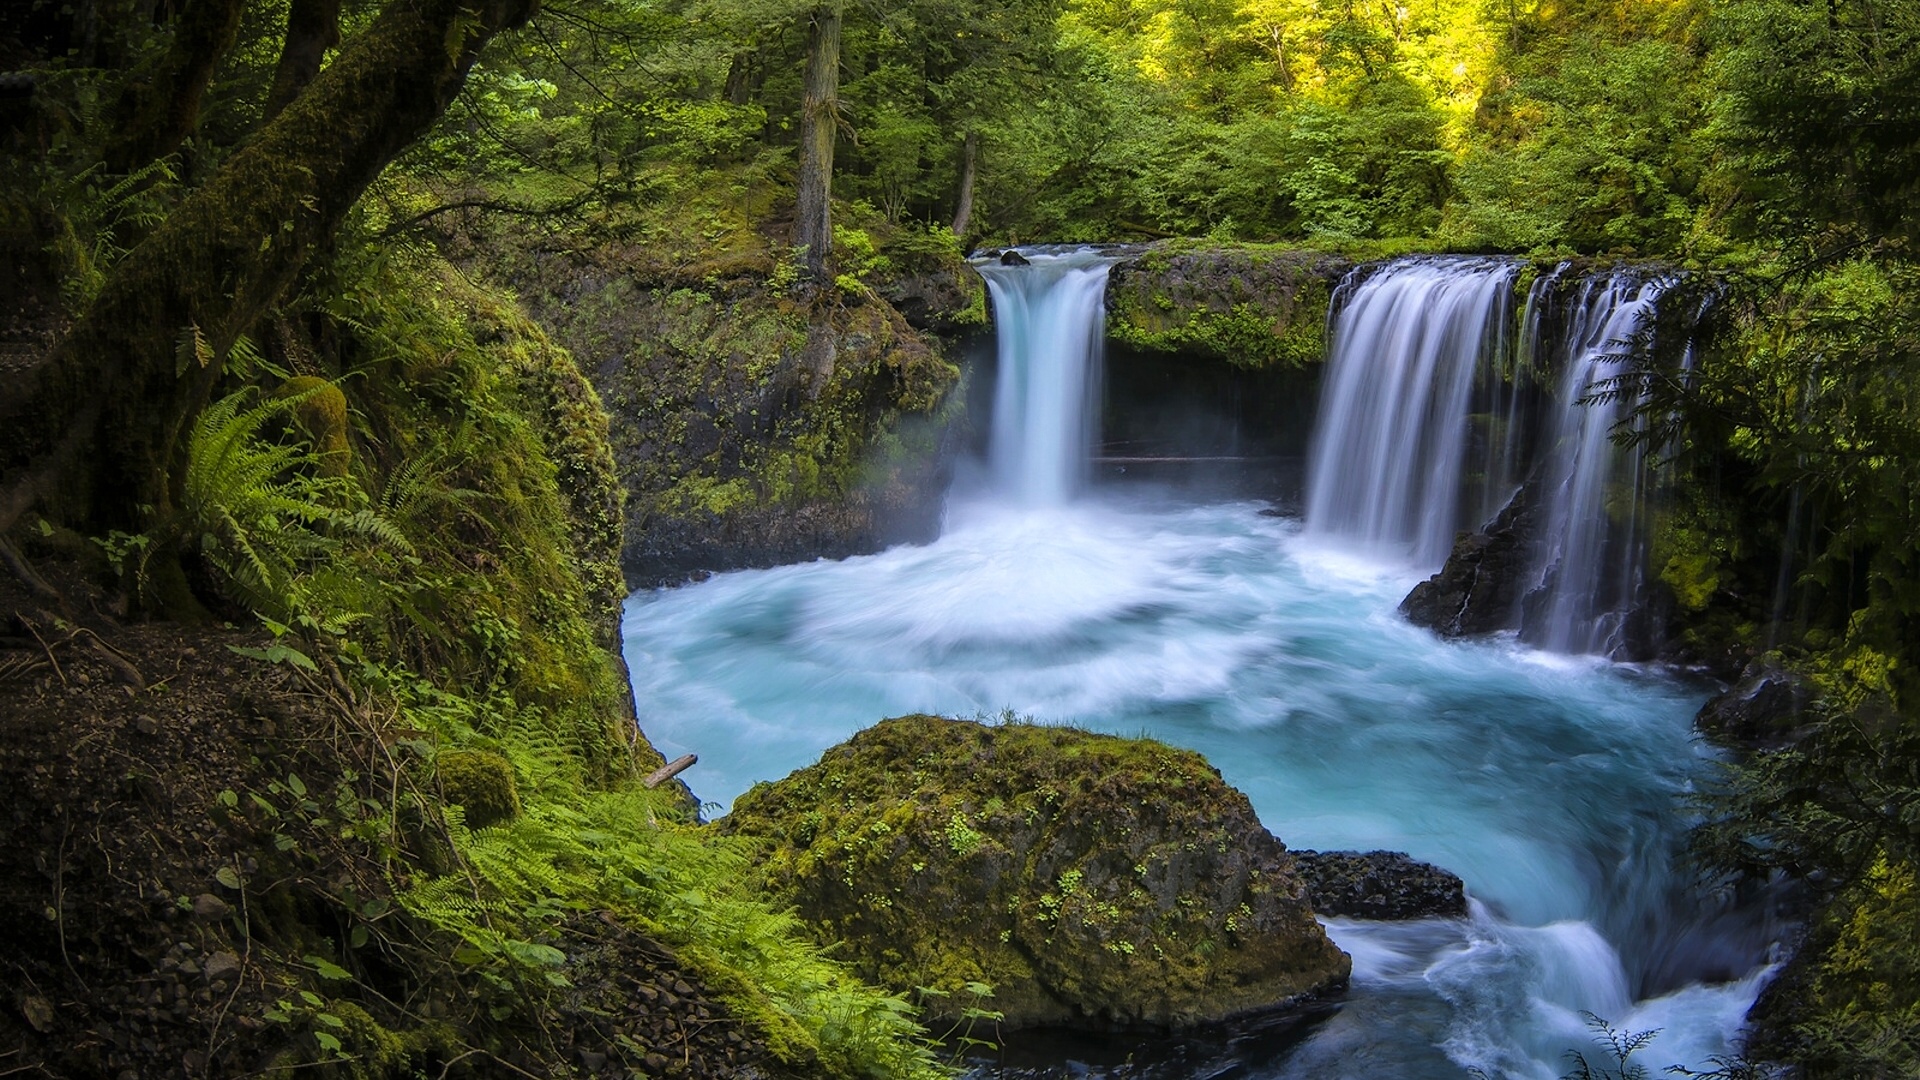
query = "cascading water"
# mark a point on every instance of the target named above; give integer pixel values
(1592, 548)
(1426, 420)
(1550, 784)
(1050, 315)
(1387, 457)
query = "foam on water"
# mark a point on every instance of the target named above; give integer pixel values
(1549, 785)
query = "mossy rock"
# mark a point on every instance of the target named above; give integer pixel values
(321, 411)
(1092, 881)
(1254, 306)
(480, 782)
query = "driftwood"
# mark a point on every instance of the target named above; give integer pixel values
(670, 770)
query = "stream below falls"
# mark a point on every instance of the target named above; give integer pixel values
(1553, 785)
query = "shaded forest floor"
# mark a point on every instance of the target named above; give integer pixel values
(198, 877)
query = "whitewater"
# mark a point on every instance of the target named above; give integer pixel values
(1554, 785)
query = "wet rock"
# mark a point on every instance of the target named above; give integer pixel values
(1765, 709)
(1378, 885)
(1092, 881)
(1014, 258)
(1484, 583)
(210, 908)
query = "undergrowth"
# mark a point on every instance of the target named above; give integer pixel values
(461, 575)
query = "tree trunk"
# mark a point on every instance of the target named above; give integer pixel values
(156, 114)
(819, 116)
(742, 76)
(99, 428)
(313, 27)
(969, 159)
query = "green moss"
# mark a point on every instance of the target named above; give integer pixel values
(480, 782)
(321, 412)
(1254, 307)
(1857, 1012)
(1069, 870)
(1693, 577)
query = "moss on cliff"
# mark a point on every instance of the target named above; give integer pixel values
(1255, 306)
(1089, 879)
(747, 418)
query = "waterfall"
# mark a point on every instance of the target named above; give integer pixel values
(1395, 422)
(1428, 424)
(1590, 562)
(1049, 317)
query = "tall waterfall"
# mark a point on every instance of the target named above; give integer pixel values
(1395, 415)
(1049, 317)
(1430, 418)
(1591, 556)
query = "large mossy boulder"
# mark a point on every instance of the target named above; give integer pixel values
(1092, 881)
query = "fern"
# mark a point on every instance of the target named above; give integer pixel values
(258, 514)
(624, 850)
(99, 220)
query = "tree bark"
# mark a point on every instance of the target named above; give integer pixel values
(743, 77)
(969, 160)
(121, 384)
(819, 117)
(156, 114)
(313, 27)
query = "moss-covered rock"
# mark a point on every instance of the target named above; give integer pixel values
(753, 422)
(321, 411)
(1254, 306)
(481, 783)
(1091, 880)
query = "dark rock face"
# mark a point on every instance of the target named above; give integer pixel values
(1092, 881)
(1014, 258)
(1764, 710)
(943, 299)
(1378, 885)
(1484, 582)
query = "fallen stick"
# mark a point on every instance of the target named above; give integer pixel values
(670, 770)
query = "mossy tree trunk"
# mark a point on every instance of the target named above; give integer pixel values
(155, 114)
(969, 164)
(313, 27)
(819, 116)
(98, 432)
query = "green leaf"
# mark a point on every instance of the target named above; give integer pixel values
(277, 654)
(299, 786)
(229, 799)
(330, 1020)
(327, 1042)
(327, 968)
(527, 952)
(227, 876)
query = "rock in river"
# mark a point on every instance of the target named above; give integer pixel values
(1092, 881)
